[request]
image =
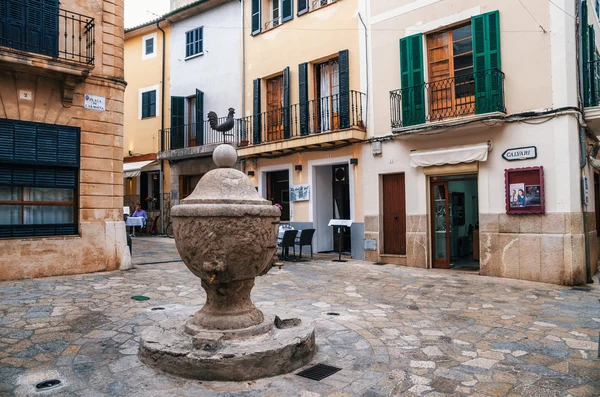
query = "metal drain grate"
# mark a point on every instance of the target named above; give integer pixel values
(318, 372)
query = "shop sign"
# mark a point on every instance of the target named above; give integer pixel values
(520, 153)
(94, 102)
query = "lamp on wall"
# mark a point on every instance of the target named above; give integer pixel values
(250, 173)
(354, 161)
(298, 167)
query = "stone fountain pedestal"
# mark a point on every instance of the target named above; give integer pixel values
(226, 235)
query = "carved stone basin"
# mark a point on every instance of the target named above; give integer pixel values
(226, 235)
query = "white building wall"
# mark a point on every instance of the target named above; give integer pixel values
(218, 71)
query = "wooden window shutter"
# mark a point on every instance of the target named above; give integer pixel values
(34, 26)
(199, 118)
(177, 128)
(589, 66)
(256, 126)
(286, 103)
(287, 12)
(255, 16)
(14, 20)
(50, 27)
(412, 80)
(152, 103)
(303, 96)
(344, 66)
(145, 104)
(486, 63)
(302, 7)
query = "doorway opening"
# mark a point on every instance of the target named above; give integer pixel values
(332, 185)
(278, 191)
(455, 222)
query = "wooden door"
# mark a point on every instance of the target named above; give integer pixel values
(394, 214)
(275, 109)
(440, 225)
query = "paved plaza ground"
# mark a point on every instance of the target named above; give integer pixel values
(400, 331)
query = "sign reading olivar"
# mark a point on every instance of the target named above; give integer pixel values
(520, 153)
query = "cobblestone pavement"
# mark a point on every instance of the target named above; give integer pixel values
(400, 331)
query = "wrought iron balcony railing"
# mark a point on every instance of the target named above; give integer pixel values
(327, 114)
(466, 94)
(199, 134)
(54, 32)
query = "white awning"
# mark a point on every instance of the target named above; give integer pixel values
(450, 155)
(131, 170)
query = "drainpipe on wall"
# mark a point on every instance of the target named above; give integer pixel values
(582, 139)
(162, 128)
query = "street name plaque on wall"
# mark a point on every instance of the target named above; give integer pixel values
(520, 153)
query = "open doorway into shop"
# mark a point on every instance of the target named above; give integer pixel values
(455, 222)
(278, 191)
(332, 190)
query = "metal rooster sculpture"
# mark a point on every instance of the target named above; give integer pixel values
(227, 125)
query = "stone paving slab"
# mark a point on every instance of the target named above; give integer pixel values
(400, 331)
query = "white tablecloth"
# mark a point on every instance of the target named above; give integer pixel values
(135, 221)
(282, 232)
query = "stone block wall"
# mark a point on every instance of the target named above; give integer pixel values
(101, 244)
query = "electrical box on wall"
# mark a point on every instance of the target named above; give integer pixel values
(370, 244)
(376, 148)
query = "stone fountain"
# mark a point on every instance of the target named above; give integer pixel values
(226, 235)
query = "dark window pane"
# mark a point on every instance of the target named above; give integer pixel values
(48, 194)
(10, 194)
(149, 46)
(463, 61)
(47, 215)
(461, 33)
(464, 74)
(463, 46)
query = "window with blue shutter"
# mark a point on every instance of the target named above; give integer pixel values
(39, 170)
(302, 7)
(193, 42)
(30, 25)
(149, 104)
(149, 48)
(177, 122)
(303, 96)
(287, 12)
(255, 16)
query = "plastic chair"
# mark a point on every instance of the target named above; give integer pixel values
(306, 238)
(289, 238)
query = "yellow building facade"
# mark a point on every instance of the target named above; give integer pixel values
(147, 71)
(304, 114)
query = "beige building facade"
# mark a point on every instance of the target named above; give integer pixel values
(61, 127)
(478, 149)
(304, 114)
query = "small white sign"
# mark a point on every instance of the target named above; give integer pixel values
(340, 222)
(25, 95)
(94, 102)
(299, 193)
(521, 153)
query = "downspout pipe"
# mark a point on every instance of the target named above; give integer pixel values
(580, 25)
(162, 129)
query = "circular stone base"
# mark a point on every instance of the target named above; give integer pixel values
(206, 356)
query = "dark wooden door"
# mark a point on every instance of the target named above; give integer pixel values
(440, 225)
(394, 214)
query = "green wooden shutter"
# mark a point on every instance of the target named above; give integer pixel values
(256, 125)
(585, 53)
(286, 103)
(15, 24)
(34, 25)
(303, 96)
(152, 103)
(287, 12)
(3, 25)
(177, 120)
(302, 7)
(590, 66)
(344, 89)
(487, 63)
(145, 105)
(199, 118)
(255, 16)
(50, 27)
(412, 80)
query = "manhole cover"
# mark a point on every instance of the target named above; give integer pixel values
(318, 372)
(157, 308)
(333, 314)
(139, 298)
(47, 384)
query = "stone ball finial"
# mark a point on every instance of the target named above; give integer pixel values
(225, 156)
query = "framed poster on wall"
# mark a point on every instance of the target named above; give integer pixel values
(524, 190)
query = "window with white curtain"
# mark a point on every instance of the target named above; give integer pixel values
(36, 206)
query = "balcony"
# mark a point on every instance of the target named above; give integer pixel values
(196, 139)
(434, 104)
(325, 122)
(591, 95)
(51, 39)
